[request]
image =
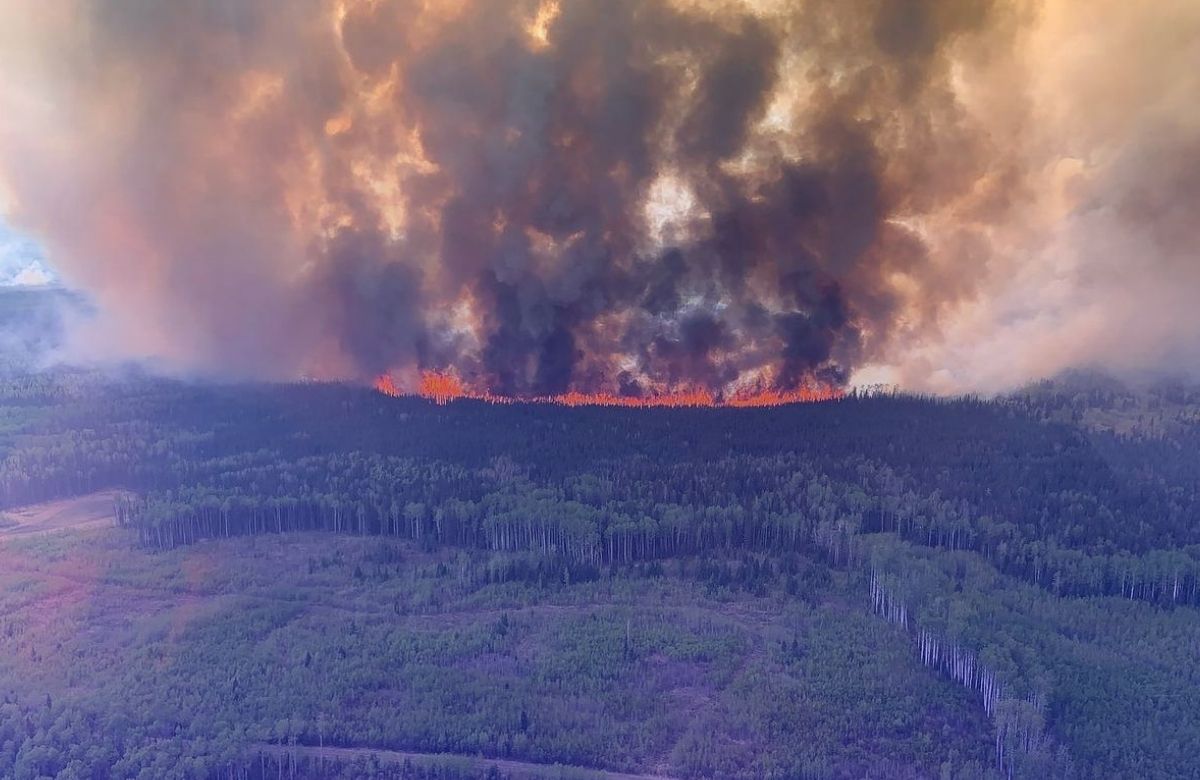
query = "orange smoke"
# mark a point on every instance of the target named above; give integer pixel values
(443, 387)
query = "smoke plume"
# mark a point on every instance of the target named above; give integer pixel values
(623, 196)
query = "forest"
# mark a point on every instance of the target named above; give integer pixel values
(884, 585)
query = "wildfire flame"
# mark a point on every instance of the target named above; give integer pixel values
(443, 387)
(385, 385)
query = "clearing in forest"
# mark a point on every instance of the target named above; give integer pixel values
(90, 511)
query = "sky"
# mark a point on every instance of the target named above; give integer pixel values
(22, 261)
(628, 196)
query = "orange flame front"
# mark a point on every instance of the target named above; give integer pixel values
(444, 387)
(441, 388)
(385, 385)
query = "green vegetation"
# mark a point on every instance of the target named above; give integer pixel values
(884, 586)
(697, 669)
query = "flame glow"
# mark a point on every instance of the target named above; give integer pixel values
(443, 387)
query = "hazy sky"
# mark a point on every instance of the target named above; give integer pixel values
(634, 195)
(21, 259)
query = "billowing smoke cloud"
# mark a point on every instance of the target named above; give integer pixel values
(623, 195)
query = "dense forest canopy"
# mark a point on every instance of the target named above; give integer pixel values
(995, 536)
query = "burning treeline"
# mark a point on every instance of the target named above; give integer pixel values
(442, 388)
(620, 198)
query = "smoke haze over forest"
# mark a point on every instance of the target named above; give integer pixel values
(634, 197)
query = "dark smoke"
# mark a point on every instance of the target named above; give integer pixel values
(630, 196)
(564, 142)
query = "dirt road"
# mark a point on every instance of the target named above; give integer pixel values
(516, 769)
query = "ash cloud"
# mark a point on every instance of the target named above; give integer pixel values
(629, 196)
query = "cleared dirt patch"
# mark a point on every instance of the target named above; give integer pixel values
(91, 511)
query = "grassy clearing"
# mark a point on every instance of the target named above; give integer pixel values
(338, 641)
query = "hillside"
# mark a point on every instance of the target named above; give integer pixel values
(888, 586)
(33, 323)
